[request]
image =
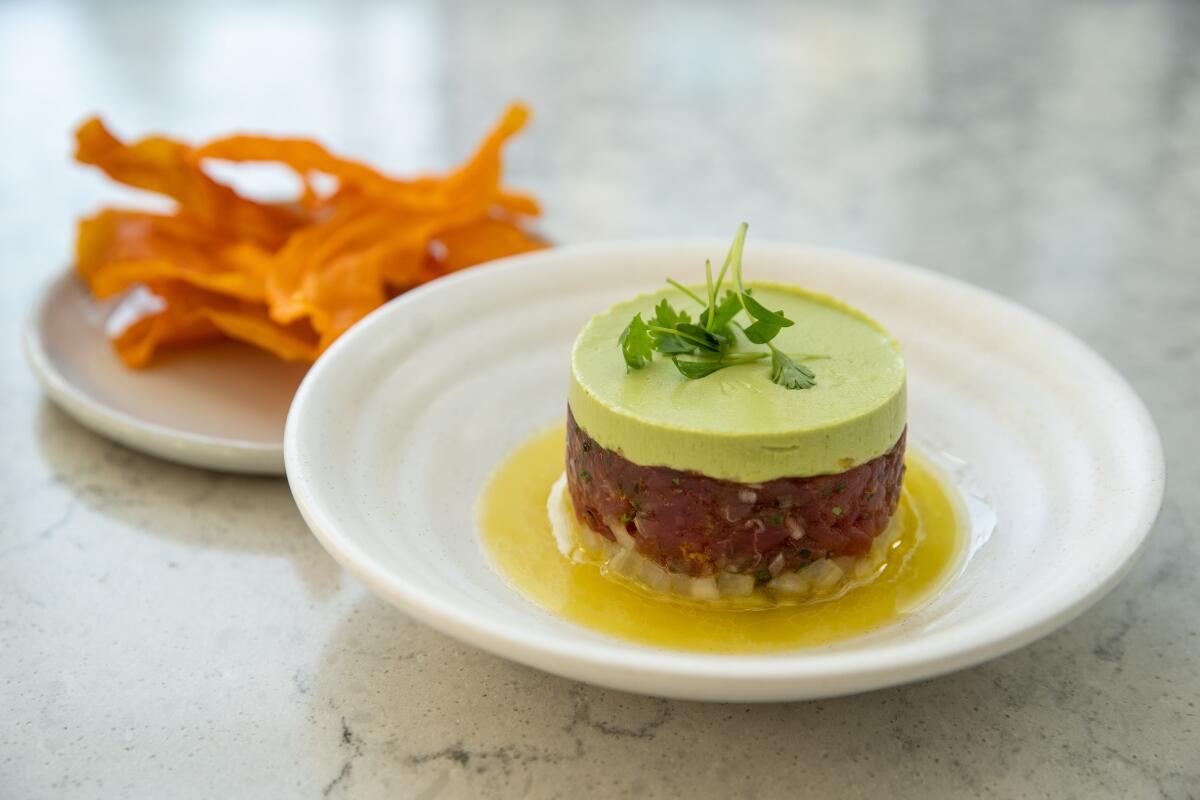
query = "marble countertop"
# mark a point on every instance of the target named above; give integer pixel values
(167, 632)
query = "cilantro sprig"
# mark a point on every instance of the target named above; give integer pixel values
(711, 343)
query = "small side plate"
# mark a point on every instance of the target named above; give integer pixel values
(219, 406)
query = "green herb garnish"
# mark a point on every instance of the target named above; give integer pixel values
(711, 343)
(636, 344)
(702, 368)
(788, 373)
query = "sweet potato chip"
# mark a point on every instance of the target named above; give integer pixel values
(137, 343)
(190, 315)
(518, 203)
(119, 249)
(484, 240)
(342, 294)
(160, 165)
(288, 278)
(314, 248)
(423, 195)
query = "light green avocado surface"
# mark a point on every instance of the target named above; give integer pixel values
(736, 424)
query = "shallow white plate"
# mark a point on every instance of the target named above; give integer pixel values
(394, 432)
(220, 406)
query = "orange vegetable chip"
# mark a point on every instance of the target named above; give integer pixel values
(190, 315)
(484, 240)
(164, 166)
(287, 278)
(424, 195)
(119, 249)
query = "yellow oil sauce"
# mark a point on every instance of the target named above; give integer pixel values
(517, 537)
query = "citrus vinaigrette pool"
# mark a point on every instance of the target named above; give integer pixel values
(516, 535)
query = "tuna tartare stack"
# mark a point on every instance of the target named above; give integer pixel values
(733, 438)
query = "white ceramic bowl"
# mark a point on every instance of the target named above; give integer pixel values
(395, 430)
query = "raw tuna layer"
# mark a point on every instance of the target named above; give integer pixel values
(696, 525)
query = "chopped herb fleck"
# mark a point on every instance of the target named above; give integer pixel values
(586, 445)
(776, 520)
(805, 552)
(676, 481)
(763, 575)
(627, 516)
(841, 487)
(585, 476)
(837, 511)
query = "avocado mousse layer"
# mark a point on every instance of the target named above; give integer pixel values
(736, 424)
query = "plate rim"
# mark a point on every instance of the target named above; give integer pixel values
(786, 676)
(172, 444)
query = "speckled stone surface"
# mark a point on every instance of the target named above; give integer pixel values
(170, 633)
